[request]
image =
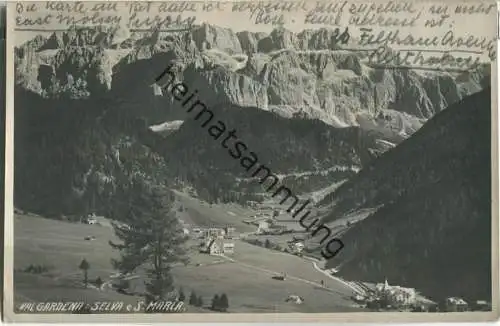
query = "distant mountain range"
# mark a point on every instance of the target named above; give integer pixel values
(87, 111)
(431, 202)
(304, 74)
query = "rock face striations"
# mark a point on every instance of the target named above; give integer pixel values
(309, 108)
(305, 74)
(431, 197)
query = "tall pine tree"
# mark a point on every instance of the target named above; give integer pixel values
(193, 299)
(223, 302)
(151, 236)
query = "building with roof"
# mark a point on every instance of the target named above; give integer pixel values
(212, 232)
(217, 246)
(263, 227)
(396, 295)
(229, 232)
(296, 247)
(456, 304)
(481, 305)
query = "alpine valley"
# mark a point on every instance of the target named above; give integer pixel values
(400, 156)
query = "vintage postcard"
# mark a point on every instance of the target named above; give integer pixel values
(251, 161)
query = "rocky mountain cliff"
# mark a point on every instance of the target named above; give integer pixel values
(308, 107)
(306, 73)
(432, 200)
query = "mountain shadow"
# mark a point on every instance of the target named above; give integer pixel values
(433, 230)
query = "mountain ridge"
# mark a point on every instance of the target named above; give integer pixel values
(335, 86)
(427, 207)
(308, 86)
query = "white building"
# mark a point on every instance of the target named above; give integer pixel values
(296, 247)
(230, 232)
(295, 299)
(213, 233)
(456, 304)
(299, 247)
(263, 226)
(396, 294)
(228, 247)
(217, 246)
(91, 220)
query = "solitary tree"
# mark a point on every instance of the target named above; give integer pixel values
(182, 296)
(223, 303)
(151, 236)
(98, 281)
(193, 299)
(199, 302)
(84, 265)
(215, 302)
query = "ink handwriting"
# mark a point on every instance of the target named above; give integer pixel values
(421, 26)
(268, 12)
(38, 21)
(269, 6)
(448, 39)
(148, 22)
(261, 17)
(418, 58)
(141, 15)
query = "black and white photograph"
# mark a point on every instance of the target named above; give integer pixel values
(251, 160)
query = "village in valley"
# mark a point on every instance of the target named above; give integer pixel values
(270, 230)
(266, 251)
(240, 252)
(382, 296)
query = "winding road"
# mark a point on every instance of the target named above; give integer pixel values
(271, 272)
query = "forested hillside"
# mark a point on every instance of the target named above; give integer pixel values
(433, 231)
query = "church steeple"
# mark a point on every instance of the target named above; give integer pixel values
(386, 284)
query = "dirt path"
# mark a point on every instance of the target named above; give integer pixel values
(356, 289)
(288, 277)
(107, 284)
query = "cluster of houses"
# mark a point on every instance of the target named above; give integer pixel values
(216, 240)
(267, 224)
(396, 295)
(458, 304)
(387, 296)
(90, 219)
(256, 205)
(296, 246)
(267, 227)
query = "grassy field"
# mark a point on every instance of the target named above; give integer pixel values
(253, 290)
(61, 244)
(203, 214)
(247, 280)
(249, 284)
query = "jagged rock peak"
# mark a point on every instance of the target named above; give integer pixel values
(101, 36)
(209, 36)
